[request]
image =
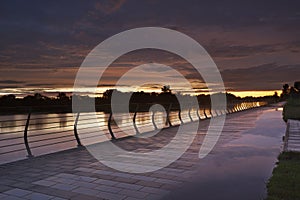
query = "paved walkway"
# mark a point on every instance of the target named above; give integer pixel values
(237, 168)
(292, 136)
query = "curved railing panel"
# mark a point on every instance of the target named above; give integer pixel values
(41, 133)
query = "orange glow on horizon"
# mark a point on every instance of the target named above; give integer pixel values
(255, 93)
(20, 92)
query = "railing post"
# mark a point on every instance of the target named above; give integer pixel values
(205, 115)
(198, 115)
(189, 113)
(211, 115)
(179, 116)
(168, 115)
(220, 113)
(75, 131)
(216, 112)
(227, 111)
(134, 119)
(109, 127)
(230, 108)
(153, 120)
(26, 136)
(224, 112)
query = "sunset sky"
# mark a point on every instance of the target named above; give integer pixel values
(255, 44)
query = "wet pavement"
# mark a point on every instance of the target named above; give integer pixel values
(237, 168)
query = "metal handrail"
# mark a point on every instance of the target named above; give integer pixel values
(89, 127)
(14, 144)
(12, 151)
(26, 137)
(82, 134)
(49, 127)
(14, 120)
(109, 127)
(52, 144)
(49, 133)
(93, 136)
(11, 132)
(12, 138)
(12, 126)
(75, 131)
(40, 140)
(168, 115)
(135, 122)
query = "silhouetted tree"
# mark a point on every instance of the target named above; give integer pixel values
(62, 96)
(285, 92)
(166, 89)
(38, 96)
(9, 100)
(11, 97)
(107, 94)
(297, 85)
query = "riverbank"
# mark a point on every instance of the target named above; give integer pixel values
(285, 181)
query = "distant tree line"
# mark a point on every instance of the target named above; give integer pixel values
(291, 95)
(290, 91)
(63, 103)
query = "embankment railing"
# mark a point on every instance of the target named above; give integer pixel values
(42, 133)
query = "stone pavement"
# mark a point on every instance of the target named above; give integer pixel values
(292, 136)
(237, 168)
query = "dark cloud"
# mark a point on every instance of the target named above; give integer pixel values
(109, 6)
(51, 39)
(271, 76)
(108, 85)
(10, 82)
(294, 47)
(39, 85)
(239, 51)
(9, 86)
